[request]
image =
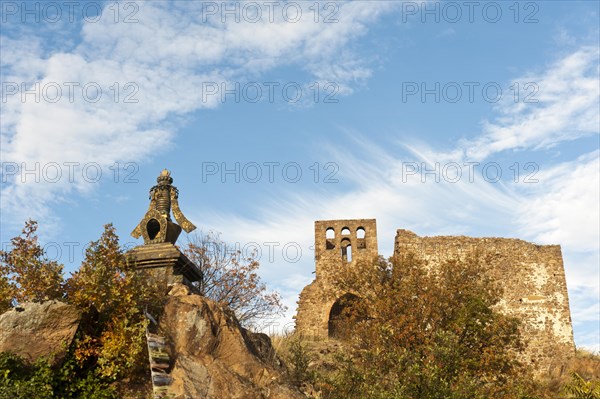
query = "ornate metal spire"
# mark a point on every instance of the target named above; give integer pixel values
(156, 226)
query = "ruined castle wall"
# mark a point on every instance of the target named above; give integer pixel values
(534, 284)
(331, 258)
(532, 277)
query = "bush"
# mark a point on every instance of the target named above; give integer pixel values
(40, 381)
(411, 331)
(578, 388)
(114, 298)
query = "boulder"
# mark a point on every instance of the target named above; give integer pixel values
(214, 357)
(33, 330)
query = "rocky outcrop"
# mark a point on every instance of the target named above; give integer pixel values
(214, 357)
(33, 330)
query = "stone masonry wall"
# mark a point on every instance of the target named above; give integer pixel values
(535, 288)
(533, 278)
(331, 258)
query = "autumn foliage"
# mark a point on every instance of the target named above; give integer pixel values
(409, 330)
(26, 274)
(110, 344)
(413, 331)
(231, 279)
(114, 297)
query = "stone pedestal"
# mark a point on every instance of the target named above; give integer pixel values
(165, 263)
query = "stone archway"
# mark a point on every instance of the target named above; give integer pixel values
(339, 315)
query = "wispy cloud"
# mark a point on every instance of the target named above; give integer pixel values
(562, 208)
(567, 98)
(148, 72)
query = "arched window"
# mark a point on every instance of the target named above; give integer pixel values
(329, 238)
(360, 232)
(360, 238)
(345, 231)
(346, 250)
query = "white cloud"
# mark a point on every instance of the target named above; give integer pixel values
(568, 100)
(563, 204)
(558, 211)
(561, 209)
(162, 62)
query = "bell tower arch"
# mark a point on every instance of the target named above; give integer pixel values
(339, 246)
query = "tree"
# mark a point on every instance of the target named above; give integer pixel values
(6, 289)
(427, 332)
(109, 345)
(21, 380)
(26, 274)
(231, 279)
(114, 297)
(109, 342)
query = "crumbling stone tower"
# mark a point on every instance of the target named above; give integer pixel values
(339, 245)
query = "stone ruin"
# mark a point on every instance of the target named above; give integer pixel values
(533, 277)
(339, 244)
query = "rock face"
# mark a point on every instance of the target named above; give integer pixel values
(215, 358)
(33, 330)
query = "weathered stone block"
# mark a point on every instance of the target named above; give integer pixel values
(35, 330)
(165, 264)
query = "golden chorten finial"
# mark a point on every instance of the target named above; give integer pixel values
(156, 226)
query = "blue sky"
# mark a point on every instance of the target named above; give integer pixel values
(98, 97)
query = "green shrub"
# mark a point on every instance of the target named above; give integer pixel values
(578, 388)
(18, 380)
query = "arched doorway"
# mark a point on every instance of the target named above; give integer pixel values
(340, 315)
